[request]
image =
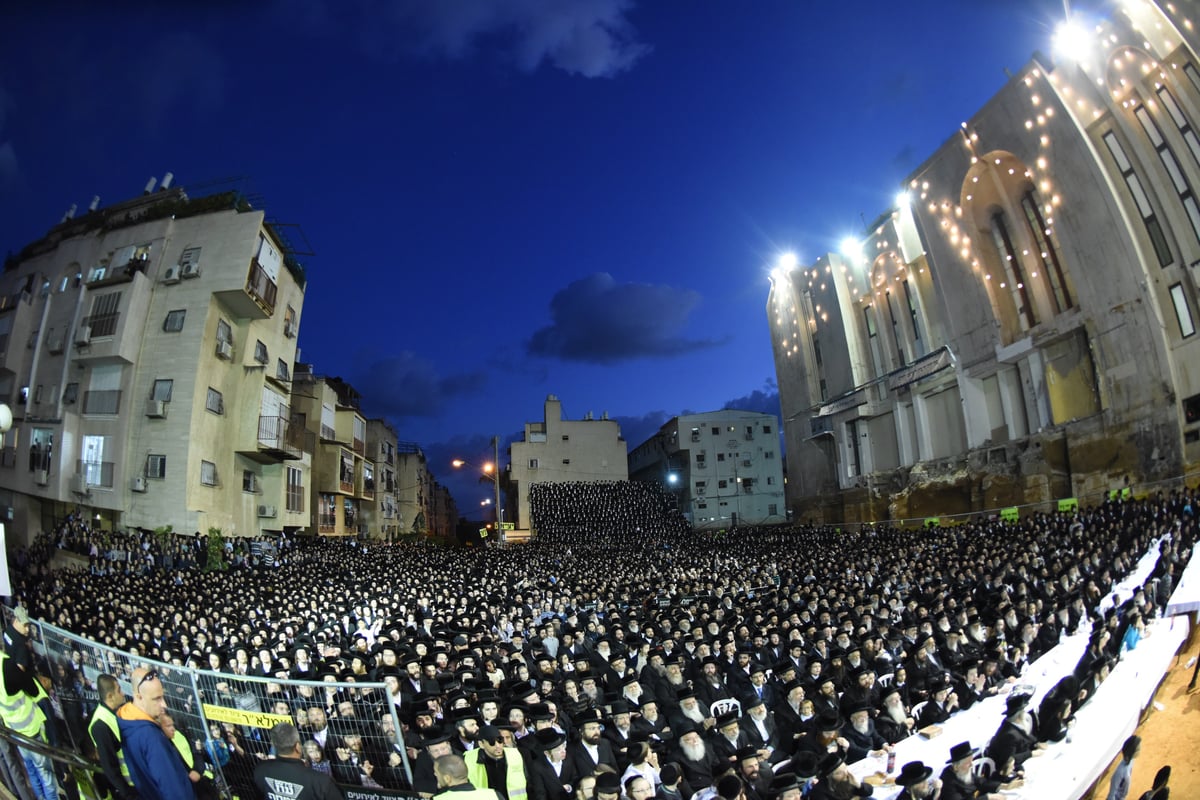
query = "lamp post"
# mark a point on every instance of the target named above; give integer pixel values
(492, 470)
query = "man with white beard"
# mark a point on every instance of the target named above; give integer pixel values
(860, 732)
(691, 712)
(728, 738)
(918, 782)
(672, 683)
(958, 781)
(694, 758)
(1015, 737)
(894, 722)
(760, 730)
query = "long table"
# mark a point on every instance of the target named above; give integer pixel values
(1186, 597)
(1066, 769)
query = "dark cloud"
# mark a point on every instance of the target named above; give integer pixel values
(592, 38)
(599, 321)
(763, 401)
(406, 385)
(638, 429)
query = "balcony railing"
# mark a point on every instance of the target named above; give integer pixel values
(360, 447)
(277, 433)
(328, 433)
(103, 324)
(97, 473)
(260, 286)
(104, 401)
(327, 523)
(369, 487)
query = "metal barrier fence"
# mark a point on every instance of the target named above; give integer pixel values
(350, 729)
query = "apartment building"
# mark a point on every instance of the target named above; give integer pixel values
(382, 514)
(559, 450)
(145, 351)
(1020, 326)
(724, 467)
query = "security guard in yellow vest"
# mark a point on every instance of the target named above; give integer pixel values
(202, 783)
(495, 766)
(451, 774)
(106, 736)
(20, 691)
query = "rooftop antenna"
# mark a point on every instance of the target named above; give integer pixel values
(150, 185)
(70, 214)
(166, 181)
(92, 206)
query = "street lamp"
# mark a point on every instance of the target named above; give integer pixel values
(492, 470)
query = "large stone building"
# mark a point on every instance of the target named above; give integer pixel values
(146, 351)
(724, 467)
(1021, 326)
(558, 450)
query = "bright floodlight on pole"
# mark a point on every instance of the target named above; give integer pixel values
(787, 261)
(902, 200)
(851, 248)
(1071, 41)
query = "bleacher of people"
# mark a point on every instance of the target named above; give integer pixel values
(620, 646)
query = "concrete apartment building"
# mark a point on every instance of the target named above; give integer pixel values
(1020, 327)
(558, 450)
(724, 467)
(381, 515)
(145, 351)
(415, 492)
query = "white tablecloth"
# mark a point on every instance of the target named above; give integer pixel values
(1186, 597)
(1067, 769)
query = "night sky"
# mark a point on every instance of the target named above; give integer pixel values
(511, 198)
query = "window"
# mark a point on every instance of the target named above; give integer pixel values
(281, 371)
(1191, 410)
(720, 456)
(695, 434)
(289, 323)
(716, 430)
(1182, 313)
(533, 463)
(566, 461)
(208, 473)
(912, 311)
(215, 402)
(1014, 273)
(854, 467)
(174, 321)
(768, 454)
(162, 390)
(156, 466)
(249, 481)
(295, 489)
(37, 394)
(1134, 184)
(1171, 164)
(224, 332)
(723, 484)
(566, 438)
(766, 428)
(897, 337)
(770, 480)
(701, 485)
(105, 315)
(700, 460)
(260, 352)
(701, 505)
(1047, 251)
(71, 393)
(772, 509)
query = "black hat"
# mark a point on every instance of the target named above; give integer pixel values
(729, 787)
(726, 718)
(805, 764)
(913, 773)
(1016, 702)
(608, 782)
(960, 751)
(829, 721)
(829, 763)
(782, 782)
(436, 736)
(590, 715)
(548, 739)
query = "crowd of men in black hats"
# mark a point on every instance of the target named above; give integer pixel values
(757, 661)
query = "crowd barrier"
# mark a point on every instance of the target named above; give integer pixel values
(226, 718)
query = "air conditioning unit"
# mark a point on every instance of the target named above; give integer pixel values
(191, 270)
(139, 483)
(225, 350)
(171, 275)
(41, 477)
(79, 484)
(156, 409)
(83, 335)
(267, 511)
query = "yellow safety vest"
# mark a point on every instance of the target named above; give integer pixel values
(19, 711)
(105, 716)
(474, 794)
(185, 751)
(514, 776)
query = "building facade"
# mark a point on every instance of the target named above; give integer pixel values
(381, 514)
(558, 450)
(1021, 326)
(146, 351)
(724, 467)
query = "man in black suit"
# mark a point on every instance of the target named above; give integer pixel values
(759, 726)
(552, 776)
(592, 748)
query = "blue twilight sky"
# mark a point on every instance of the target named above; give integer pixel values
(511, 198)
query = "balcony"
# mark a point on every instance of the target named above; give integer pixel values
(278, 440)
(327, 523)
(368, 490)
(100, 325)
(360, 447)
(328, 434)
(255, 300)
(105, 401)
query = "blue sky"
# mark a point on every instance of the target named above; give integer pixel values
(512, 198)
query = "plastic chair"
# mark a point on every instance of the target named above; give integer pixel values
(720, 707)
(886, 680)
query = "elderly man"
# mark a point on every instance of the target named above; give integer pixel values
(154, 764)
(958, 781)
(918, 782)
(694, 758)
(1016, 738)
(859, 731)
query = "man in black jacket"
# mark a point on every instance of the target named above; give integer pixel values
(286, 775)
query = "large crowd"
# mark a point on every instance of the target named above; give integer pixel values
(619, 647)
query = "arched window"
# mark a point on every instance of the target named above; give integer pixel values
(1047, 252)
(1014, 274)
